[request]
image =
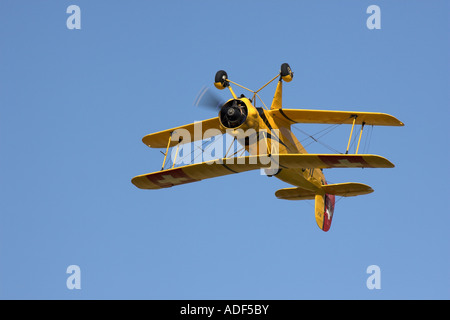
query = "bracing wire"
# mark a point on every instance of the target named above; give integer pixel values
(205, 145)
(368, 139)
(203, 148)
(324, 132)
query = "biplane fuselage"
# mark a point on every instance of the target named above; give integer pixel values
(266, 134)
(279, 129)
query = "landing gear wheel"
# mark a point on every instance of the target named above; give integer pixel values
(220, 81)
(286, 72)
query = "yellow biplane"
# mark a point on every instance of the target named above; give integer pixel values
(265, 134)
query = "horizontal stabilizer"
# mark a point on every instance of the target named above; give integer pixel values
(349, 189)
(295, 194)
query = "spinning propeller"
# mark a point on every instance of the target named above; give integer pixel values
(210, 99)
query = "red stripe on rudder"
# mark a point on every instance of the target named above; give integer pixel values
(169, 178)
(329, 210)
(341, 161)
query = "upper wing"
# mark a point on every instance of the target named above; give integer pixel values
(196, 131)
(216, 168)
(336, 117)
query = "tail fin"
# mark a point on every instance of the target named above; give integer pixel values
(325, 198)
(324, 209)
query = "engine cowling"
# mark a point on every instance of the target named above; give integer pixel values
(238, 114)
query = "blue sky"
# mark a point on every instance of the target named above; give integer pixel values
(74, 105)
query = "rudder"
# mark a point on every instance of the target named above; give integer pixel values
(324, 209)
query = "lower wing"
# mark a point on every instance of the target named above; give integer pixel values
(221, 167)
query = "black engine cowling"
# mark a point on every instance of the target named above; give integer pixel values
(233, 114)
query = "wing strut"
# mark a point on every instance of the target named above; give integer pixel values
(360, 134)
(351, 132)
(176, 155)
(167, 151)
